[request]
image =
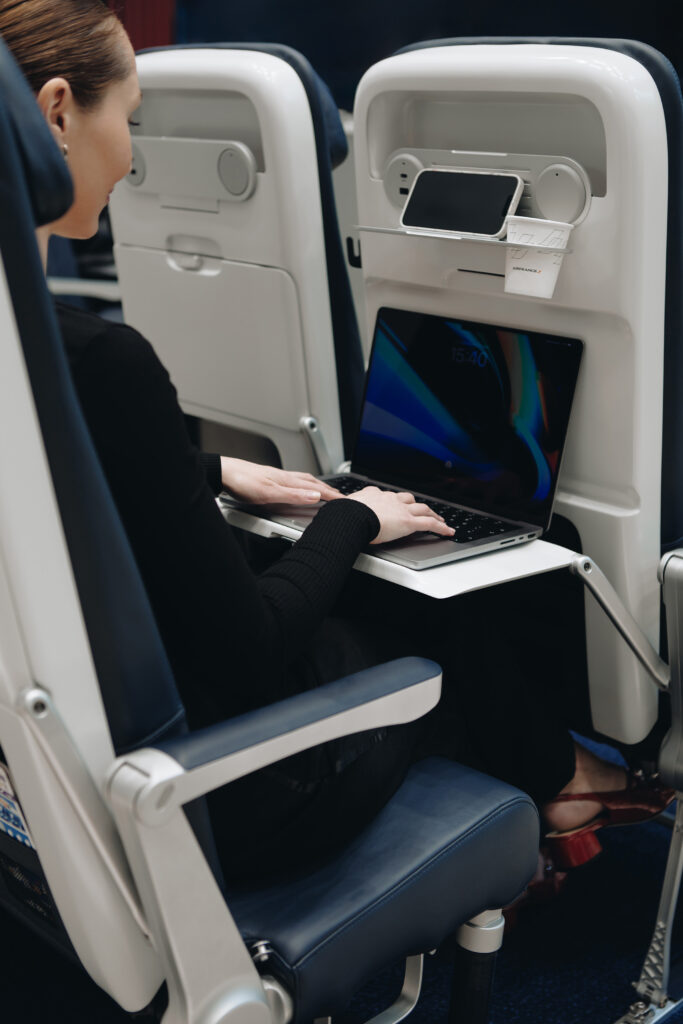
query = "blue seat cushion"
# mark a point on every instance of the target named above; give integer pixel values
(449, 844)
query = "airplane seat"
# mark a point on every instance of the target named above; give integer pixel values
(96, 853)
(228, 247)
(593, 129)
(668, 84)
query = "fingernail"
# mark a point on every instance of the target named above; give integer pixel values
(313, 495)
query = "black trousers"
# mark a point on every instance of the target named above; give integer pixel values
(513, 660)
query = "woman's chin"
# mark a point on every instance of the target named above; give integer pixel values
(77, 228)
(86, 229)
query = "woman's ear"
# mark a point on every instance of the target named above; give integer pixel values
(56, 101)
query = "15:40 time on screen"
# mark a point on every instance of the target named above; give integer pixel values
(469, 355)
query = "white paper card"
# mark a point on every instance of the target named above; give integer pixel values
(529, 270)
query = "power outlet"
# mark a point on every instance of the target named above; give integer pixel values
(399, 175)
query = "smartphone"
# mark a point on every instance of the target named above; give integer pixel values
(465, 202)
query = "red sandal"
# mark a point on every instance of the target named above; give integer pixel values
(642, 798)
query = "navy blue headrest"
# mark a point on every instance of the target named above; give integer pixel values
(137, 686)
(45, 172)
(135, 678)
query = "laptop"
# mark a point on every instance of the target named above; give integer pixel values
(472, 419)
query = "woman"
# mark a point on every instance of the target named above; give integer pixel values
(235, 640)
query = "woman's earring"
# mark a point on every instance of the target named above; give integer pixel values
(65, 151)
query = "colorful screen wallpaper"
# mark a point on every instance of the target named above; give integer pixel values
(468, 412)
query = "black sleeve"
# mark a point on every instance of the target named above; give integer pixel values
(229, 634)
(211, 464)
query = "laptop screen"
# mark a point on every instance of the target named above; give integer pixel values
(470, 413)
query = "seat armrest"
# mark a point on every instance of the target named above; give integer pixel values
(389, 694)
(192, 927)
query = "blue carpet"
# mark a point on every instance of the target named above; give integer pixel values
(568, 962)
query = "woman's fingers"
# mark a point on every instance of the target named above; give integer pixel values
(424, 518)
(295, 497)
(328, 493)
(420, 509)
(267, 485)
(281, 494)
(434, 525)
(309, 483)
(400, 514)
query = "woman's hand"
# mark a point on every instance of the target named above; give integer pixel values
(265, 485)
(399, 514)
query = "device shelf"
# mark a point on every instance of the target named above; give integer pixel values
(450, 236)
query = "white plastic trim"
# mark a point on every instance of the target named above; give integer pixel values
(40, 578)
(43, 639)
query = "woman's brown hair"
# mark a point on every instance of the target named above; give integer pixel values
(72, 39)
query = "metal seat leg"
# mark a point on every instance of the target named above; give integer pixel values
(478, 943)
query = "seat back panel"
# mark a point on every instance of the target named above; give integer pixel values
(610, 292)
(278, 227)
(224, 300)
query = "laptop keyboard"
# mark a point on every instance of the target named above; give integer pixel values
(468, 525)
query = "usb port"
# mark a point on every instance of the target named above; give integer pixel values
(404, 191)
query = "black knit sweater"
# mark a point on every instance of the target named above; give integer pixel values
(229, 634)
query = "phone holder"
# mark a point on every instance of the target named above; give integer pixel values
(535, 245)
(556, 187)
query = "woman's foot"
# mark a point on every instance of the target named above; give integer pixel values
(600, 795)
(592, 775)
